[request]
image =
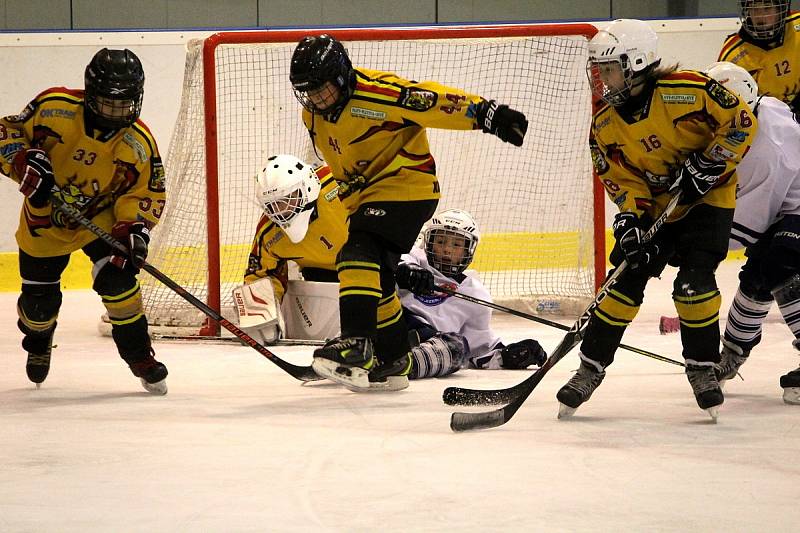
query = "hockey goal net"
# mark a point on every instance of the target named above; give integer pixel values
(538, 208)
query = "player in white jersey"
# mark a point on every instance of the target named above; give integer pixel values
(767, 223)
(449, 242)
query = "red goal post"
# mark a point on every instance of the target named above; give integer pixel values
(540, 212)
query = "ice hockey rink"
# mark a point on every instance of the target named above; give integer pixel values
(237, 445)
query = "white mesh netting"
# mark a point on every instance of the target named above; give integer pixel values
(533, 204)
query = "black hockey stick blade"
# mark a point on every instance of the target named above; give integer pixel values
(303, 373)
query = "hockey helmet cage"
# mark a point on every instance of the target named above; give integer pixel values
(114, 88)
(764, 20)
(288, 190)
(317, 60)
(450, 239)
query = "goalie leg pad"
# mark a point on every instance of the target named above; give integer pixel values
(441, 355)
(310, 310)
(258, 311)
(697, 300)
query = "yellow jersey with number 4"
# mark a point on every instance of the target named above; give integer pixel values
(638, 158)
(376, 145)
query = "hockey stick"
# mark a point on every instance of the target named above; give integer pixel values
(303, 373)
(467, 297)
(520, 392)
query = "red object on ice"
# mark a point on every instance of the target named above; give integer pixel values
(669, 324)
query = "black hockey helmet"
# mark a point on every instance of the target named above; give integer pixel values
(315, 61)
(114, 87)
(750, 11)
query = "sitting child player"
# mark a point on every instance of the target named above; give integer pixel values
(449, 241)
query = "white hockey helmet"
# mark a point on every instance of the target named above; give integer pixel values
(629, 44)
(764, 20)
(735, 79)
(288, 190)
(447, 233)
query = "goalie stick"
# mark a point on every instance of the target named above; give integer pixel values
(303, 373)
(467, 297)
(516, 395)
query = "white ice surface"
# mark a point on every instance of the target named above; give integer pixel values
(237, 445)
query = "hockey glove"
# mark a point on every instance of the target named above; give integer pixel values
(500, 120)
(697, 176)
(134, 235)
(628, 233)
(35, 172)
(414, 278)
(522, 354)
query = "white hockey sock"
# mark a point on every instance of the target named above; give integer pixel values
(745, 318)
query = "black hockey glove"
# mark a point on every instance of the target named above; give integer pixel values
(508, 124)
(523, 354)
(628, 233)
(696, 177)
(35, 173)
(134, 235)
(414, 278)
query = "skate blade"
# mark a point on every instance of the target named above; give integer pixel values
(791, 395)
(390, 384)
(713, 412)
(565, 411)
(353, 378)
(39, 386)
(158, 388)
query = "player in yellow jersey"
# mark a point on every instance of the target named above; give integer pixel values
(105, 161)
(370, 128)
(661, 130)
(768, 47)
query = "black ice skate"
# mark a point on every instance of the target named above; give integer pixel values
(790, 383)
(732, 358)
(390, 376)
(347, 361)
(703, 380)
(39, 347)
(152, 374)
(578, 389)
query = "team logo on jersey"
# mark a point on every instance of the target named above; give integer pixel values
(720, 153)
(10, 150)
(374, 212)
(158, 178)
(57, 113)
(602, 123)
(721, 95)
(620, 200)
(131, 141)
(333, 193)
(598, 161)
(418, 99)
(655, 180)
(736, 137)
(678, 98)
(371, 114)
(437, 298)
(253, 264)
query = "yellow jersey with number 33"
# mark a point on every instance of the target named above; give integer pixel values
(108, 176)
(637, 158)
(776, 69)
